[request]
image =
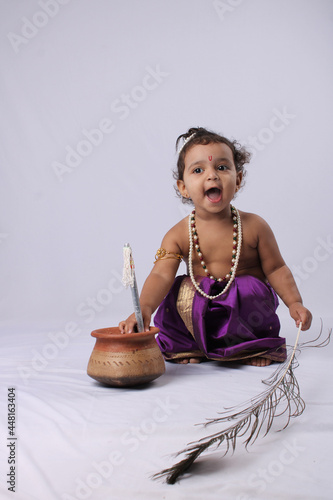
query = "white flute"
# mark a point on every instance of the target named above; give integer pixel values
(129, 279)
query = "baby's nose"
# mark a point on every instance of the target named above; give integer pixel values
(212, 174)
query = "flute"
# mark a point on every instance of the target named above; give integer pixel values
(129, 279)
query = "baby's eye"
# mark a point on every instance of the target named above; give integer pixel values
(222, 167)
(197, 170)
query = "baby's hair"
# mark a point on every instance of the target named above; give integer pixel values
(203, 136)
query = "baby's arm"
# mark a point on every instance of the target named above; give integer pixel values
(157, 284)
(279, 275)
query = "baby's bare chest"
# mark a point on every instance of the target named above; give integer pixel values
(217, 248)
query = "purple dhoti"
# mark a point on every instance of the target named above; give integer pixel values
(239, 324)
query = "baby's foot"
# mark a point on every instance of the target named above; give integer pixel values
(257, 361)
(184, 361)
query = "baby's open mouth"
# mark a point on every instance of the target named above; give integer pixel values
(214, 194)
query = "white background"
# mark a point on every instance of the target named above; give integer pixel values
(69, 67)
(228, 68)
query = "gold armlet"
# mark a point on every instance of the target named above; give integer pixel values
(162, 254)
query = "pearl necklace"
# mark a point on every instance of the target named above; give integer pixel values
(237, 243)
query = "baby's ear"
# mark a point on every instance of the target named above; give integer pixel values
(182, 189)
(239, 180)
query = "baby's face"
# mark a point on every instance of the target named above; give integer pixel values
(210, 176)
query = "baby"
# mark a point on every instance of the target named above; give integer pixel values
(224, 307)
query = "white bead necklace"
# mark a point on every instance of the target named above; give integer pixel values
(232, 274)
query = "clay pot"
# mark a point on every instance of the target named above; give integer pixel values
(125, 359)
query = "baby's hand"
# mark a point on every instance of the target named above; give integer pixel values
(300, 314)
(128, 326)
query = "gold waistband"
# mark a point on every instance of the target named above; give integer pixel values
(185, 302)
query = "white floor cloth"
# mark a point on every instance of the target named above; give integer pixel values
(77, 439)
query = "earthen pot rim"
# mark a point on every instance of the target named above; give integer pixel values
(114, 333)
